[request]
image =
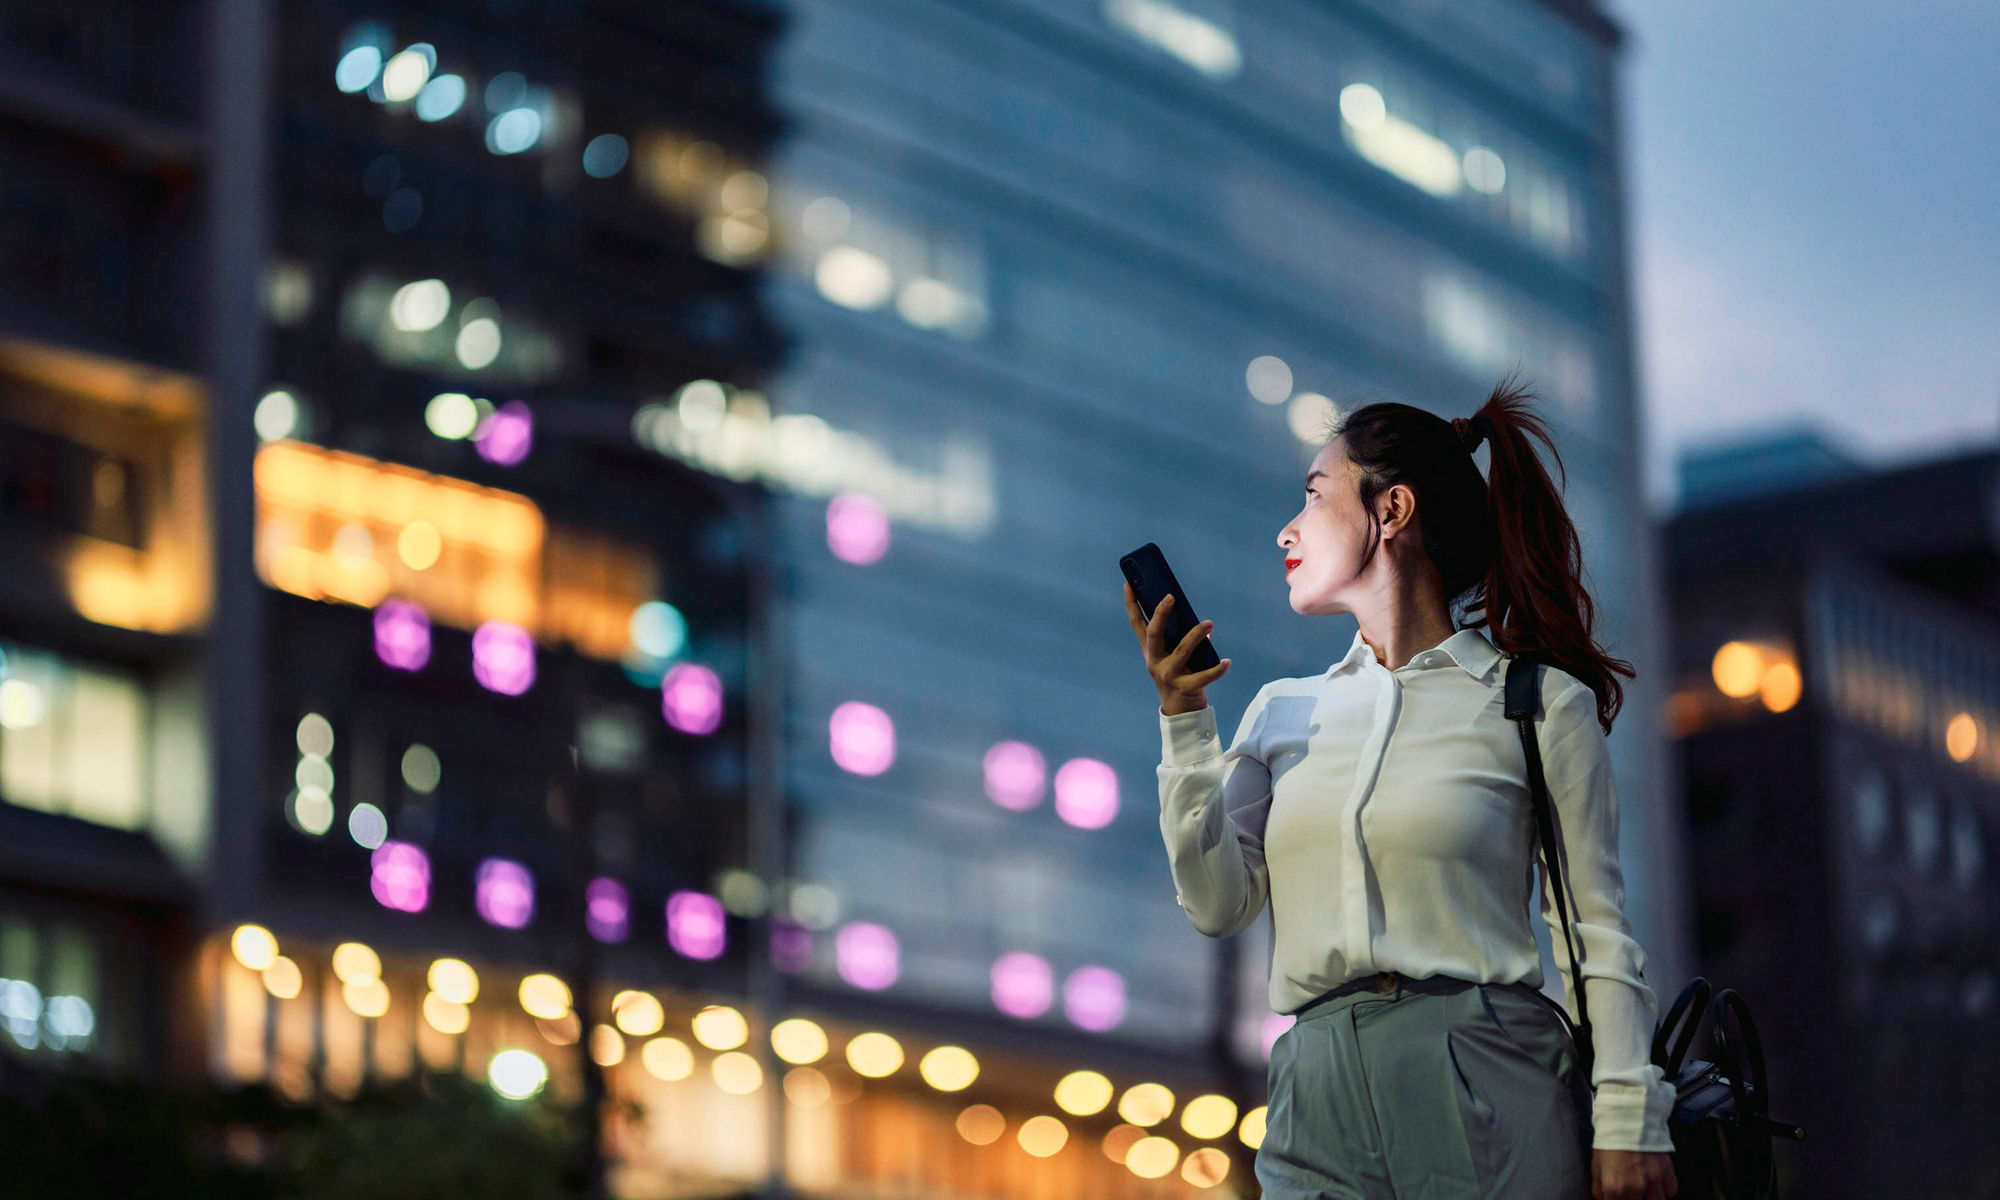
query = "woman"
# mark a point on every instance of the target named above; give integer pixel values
(1382, 808)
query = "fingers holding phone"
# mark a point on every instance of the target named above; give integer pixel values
(1181, 686)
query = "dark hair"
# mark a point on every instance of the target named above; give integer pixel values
(1504, 545)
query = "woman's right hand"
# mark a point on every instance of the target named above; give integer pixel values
(1180, 690)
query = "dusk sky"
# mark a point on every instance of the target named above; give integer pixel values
(1815, 209)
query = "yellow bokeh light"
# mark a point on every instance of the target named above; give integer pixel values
(445, 1015)
(367, 997)
(981, 1124)
(720, 1027)
(667, 1058)
(807, 1087)
(419, 545)
(638, 1013)
(875, 1055)
(1146, 1104)
(1209, 1116)
(1780, 687)
(949, 1068)
(607, 1046)
(253, 946)
(1083, 1093)
(1205, 1167)
(565, 1030)
(1120, 1140)
(545, 996)
(1961, 737)
(356, 963)
(1737, 668)
(282, 978)
(798, 1040)
(455, 980)
(737, 1073)
(1252, 1128)
(1042, 1136)
(1152, 1157)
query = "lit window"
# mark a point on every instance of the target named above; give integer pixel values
(72, 739)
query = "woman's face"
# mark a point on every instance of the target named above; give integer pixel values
(1323, 545)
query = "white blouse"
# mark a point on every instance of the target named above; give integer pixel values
(1386, 817)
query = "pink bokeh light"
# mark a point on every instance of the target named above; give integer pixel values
(402, 635)
(400, 876)
(696, 926)
(791, 946)
(862, 737)
(607, 910)
(1086, 793)
(506, 437)
(1094, 998)
(691, 699)
(1275, 1025)
(504, 893)
(1024, 985)
(1016, 776)
(866, 955)
(857, 528)
(503, 658)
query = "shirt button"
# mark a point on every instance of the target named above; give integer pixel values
(1177, 900)
(1206, 735)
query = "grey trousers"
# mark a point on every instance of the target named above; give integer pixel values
(1438, 1089)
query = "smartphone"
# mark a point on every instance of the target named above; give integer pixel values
(1152, 579)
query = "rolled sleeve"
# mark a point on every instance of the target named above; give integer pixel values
(1633, 1096)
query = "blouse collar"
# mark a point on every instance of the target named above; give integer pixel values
(1468, 648)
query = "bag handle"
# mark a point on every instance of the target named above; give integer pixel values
(1692, 1002)
(1523, 699)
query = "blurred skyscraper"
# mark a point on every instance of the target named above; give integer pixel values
(1836, 681)
(1058, 277)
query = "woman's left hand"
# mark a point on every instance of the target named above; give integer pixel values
(1632, 1175)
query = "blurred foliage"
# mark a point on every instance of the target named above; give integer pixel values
(437, 1137)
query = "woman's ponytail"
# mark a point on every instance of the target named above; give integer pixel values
(1505, 545)
(1534, 600)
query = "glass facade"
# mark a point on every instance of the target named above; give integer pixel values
(1120, 205)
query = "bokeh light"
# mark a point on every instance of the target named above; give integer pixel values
(366, 997)
(691, 699)
(696, 924)
(719, 1027)
(862, 738)
(1152, 1157)
(658, 629)
(737, 1073)
(797, 1040)
(667, 1058)
(446, 1016)
(354, 962)
(1086, 793)
(1205, 1167)
(607, 910)
(452, 415)
(605, 155)
(1094, 998)
(400, 876)
(1016, 775)
(283, 978)
(866, 955)
(504, 893)
(1043, 1136)
(1146, 1104)
(506, 437)
(1251, 1131)
(517, 1074)
(876, 1055)
(981, 1124)
(807, 1087)
(1024, 984)
(545, 997)
(454, 979)
(503, 658)
(949, 1068)
(607, 1047)
(857, 528)
(1274, 1028)
(254, 946)
(367, 825)
(1269, 379)
(1119, 1140)
(402, 635)
(638, 1013)
(421, 770)
(1209, 1116)
(1083, 1093)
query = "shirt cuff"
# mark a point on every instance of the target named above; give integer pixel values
(1188, 738)
(1627, 1116)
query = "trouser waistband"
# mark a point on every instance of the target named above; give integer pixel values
(1385, 983)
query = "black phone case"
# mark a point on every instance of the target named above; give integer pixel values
(1152, 579)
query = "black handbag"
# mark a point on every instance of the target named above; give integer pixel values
(1721, 1123)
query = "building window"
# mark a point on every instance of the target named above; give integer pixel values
(867, 256)
(72, 738)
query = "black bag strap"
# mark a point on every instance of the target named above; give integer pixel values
(1690, 1004)
(1524, 699)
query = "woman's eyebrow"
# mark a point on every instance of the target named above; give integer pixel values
(1312, 475)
